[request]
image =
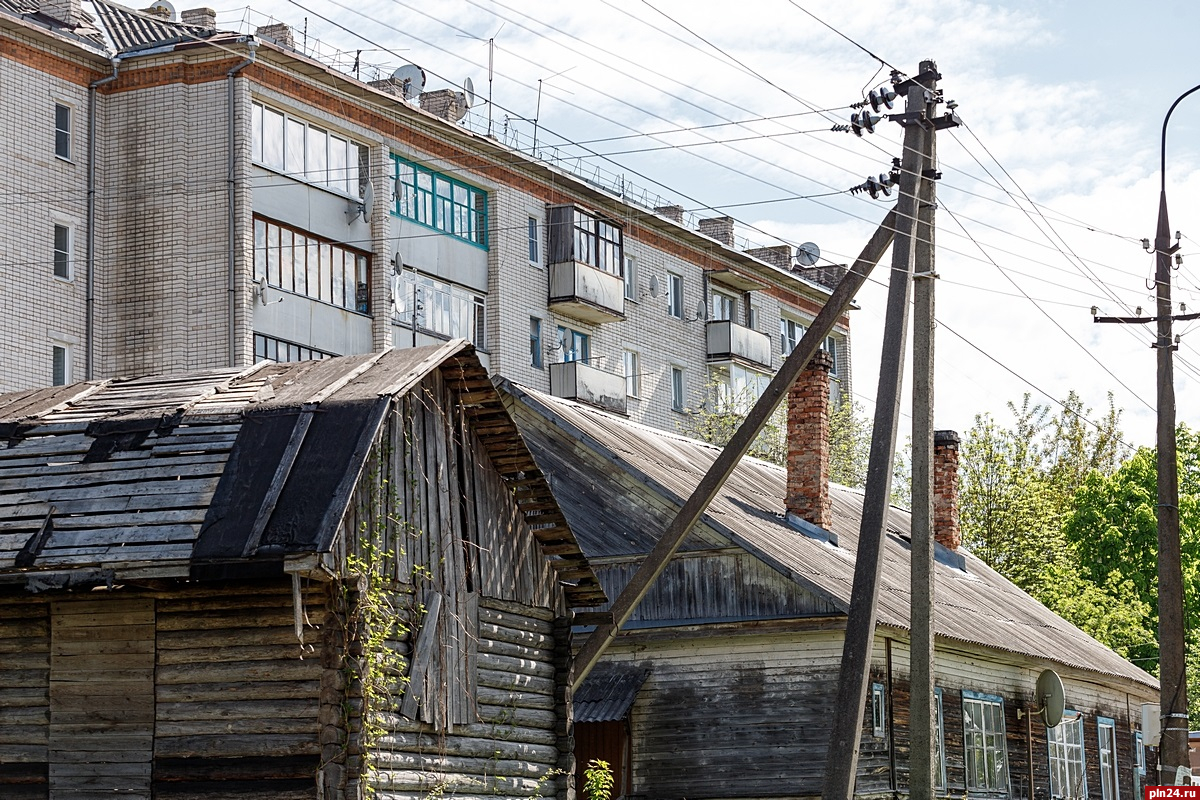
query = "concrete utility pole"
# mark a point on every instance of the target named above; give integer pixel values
(1173, 760)
(841, 763)
(921, 782)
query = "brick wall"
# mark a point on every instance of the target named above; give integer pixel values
(808, 443)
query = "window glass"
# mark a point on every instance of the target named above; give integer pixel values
(256, 134)
(272, 139)
(940, 770)
(677, 389)
(441, 202)
(62, 131)
(986, 758)
(533, 241)
(260, 249)
(630, 278)
(441, 308)
(60, 365)
(291, 145)
(299, 262)
(1065, 743)
(293, 157)
(830, 347)
(316, 156)
(722, 306)
(535, 343)
(1106, 737)
(62, 251)
(878, 710)
(576, 346)
(273, 233)
(338, 165)
(675, 295)
(633, 376)
(790, 333)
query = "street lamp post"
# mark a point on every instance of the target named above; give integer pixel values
(1172, 676)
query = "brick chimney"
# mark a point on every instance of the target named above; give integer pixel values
(279, 33)
(777, 256)
(443, 103)
(719, 228)
(945, 489)
(808, 443)
(66, 11)
(673, 213)
(205, 18)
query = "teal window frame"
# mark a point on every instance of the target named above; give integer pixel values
(575, 345)
(439, 202)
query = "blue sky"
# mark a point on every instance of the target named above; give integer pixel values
(1063, 103)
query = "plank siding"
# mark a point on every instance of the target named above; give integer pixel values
(24, 698)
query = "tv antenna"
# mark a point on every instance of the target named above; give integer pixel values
(537, 114)
(411, 79)
(491, 42)
(807, 254)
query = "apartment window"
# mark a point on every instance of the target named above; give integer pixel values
(534, 255)
(535, 343)
(633, 374)
(296, 261)
(722, 306)
(986, 757)
(1106, 735)
(575, 346)
(1065, 742)
(439, 307)
(271, 349)
(577, 235)
(60, 364)
(677, 389)
(790, 332)
(445, 204)
(940, 728)
(878, 710)
(1139, 764)
(287, 144)
(675, 295)
(62, 251)
(830, 347)
(737, 387)
(62, 131)
(753, 315)
(631, 278)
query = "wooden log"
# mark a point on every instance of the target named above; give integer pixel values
(237, 710)
(435, 761)
(226, 745)
(521, 666)
(471, 741)
(510, 681)
(513, 619)
(248, 670)
(238, 690)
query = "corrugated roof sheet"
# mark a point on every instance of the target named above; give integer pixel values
(976, 606)
(608, 692)
(130, 29)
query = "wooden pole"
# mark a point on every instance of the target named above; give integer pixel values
(743, 437)
(841, 762)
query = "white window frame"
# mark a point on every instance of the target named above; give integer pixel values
(675, 295)
(1110, 773)
(830, 346)
(790, 327)
(1067, 759)
(68, 255)
(536, 357)
(982, 739)
(724, 307)
(57, 346)
(878, 711)
(753, 315)
(631, 362)
(68, 133)
(631, 275)
(678, 389)
(349, 184)
(1139, 764)
(534, 228)
(940, 719)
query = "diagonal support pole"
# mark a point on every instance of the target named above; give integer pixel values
(722, 468)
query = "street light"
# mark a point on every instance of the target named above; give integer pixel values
(1172, 676)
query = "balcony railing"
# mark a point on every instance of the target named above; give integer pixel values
(728, 341)
(586, 293)
(575, 380)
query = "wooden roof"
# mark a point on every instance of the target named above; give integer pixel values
(173, 475)
(974, 603)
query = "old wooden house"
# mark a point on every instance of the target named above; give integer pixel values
(329, 579)
(722, 684)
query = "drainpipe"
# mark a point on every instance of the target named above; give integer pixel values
(231, 184)
(89, 335)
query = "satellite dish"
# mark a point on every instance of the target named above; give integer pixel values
(459, 109)
(807, 254)
(702, 310)
(469, 91)
(397, 262)
(368, 201)
(1052, 697)
(160, 6)
(655, 287)
(411, 79)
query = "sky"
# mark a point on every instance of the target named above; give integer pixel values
(1046, 190)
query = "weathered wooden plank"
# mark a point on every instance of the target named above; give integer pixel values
(246, 726)
(300, 708)
(222, 619)
(248, 671)
(524, 620)
(204, 693)
(226, 745)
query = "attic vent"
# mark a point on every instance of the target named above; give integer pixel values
(812, 531)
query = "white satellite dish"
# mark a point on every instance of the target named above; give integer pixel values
(1051, 697)
(702, 310)
(411, 79)
(368, 201)
(397, 262)
(469, 91)
(160, 6)
(807, 254)
(459, 109)
(655, 287)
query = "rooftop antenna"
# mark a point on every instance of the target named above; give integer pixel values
(537, 114)
(491, 64)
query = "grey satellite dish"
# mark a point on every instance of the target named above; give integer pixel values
(1052, 697)
(459, 109)
(702, 310)
(655, 288)
(807, 254)
(469, 91)
(368, 204)
(411, 79)
(397, 262)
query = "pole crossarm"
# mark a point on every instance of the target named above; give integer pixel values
(1143, 320)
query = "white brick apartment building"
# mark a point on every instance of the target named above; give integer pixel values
(177, 197)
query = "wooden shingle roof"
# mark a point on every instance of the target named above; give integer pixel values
(167, 475)
(974, 604)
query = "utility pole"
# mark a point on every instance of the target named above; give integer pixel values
(921, 680)
(1173, 760)
(841, 763)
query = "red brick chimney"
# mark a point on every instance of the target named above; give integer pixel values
(945, 489)
(808, 443)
